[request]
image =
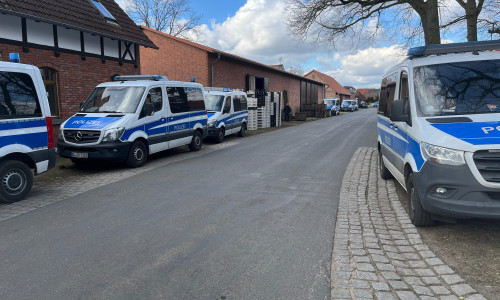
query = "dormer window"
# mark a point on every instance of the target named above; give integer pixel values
(107, 15)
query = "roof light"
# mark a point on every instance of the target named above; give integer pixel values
(14, 57)
(227, 89)
(139, 77)
(454, 48)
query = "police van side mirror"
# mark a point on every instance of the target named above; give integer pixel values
(147, 110)
(398, 112)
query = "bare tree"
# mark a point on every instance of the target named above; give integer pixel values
(472, 10)
(174, 17)
(331, 19)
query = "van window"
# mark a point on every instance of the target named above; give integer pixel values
(227, 104)
(155, 97)
(18, 98)
(470, 87)
(240, 102)
(403, 92)
(113, 99)
(195, 98)
(177, 99)
(214, 102)
(387, 92)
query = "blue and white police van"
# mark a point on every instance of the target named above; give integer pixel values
(227, 112)
(348, 105)
(26, 133)
(333, 104)
(439, 131)
(133, 117)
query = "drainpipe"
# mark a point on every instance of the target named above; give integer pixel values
(212, 68)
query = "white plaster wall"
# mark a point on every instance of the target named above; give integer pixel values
(110, 47)
(39, 33)
(92, 43)
(10, 28)
(68, 39)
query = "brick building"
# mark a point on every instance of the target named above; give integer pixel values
(333, 89)
(182, 60)
(77, 44)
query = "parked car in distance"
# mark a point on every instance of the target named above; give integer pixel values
(27, 138)
(348, 105)
(133, 117)
(363, 104)
(333, 104)
(227, 112)
(375, 104)
(439, 131)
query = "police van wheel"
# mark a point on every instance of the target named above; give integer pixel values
(241, 133)
(137, 155)
(418, 215)
(196, 142)
(16, 181)
(384, 172)
(220, 135)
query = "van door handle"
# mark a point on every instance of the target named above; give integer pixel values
(391, 124)
(162, 119)
(395, 126)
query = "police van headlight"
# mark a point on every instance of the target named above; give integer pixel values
(113, 134)
(211, 122)
(442, 155)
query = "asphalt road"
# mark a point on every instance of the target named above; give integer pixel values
(250, 221)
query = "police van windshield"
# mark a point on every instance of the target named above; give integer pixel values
(214, 102)
(113, 100)
(458, 88)
(328, 102)
(347, 102)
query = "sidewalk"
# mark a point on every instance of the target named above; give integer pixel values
(378, 253)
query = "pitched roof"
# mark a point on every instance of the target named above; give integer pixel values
(226, 54)
(79, 15)
(331, 82)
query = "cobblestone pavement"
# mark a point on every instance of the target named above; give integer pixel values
(378, 253)
(45, 193)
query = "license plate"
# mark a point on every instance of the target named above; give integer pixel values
(79, 155)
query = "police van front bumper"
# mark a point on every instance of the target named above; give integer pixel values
(107, 151)
(453, 191)
(212, 132)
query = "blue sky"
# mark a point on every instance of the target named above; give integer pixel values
(256, 29)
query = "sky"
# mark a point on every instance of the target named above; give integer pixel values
(256, 30)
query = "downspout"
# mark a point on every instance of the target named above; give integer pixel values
(212, 68)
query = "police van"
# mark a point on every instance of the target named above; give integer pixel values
(439, 131)
(348, 105)
(26, 133)
(227, 112)
(333, 104)
(133, 117)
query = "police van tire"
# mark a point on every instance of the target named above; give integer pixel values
(220, 135)
(241, 133)
(16, 181)
(196, 141)
(137, 155)
(418, 215)
(384, 172)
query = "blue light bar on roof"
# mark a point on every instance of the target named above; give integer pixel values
(227, 89)
(139, 77)
(454, 48)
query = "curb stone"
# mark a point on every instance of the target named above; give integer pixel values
(377, 252)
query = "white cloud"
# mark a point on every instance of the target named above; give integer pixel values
(258, 31)
(365, 68)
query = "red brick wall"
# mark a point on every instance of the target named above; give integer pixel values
(176, 60)
(76, 78)
(232, 74)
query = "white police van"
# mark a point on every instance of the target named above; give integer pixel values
(333, 104)
(26, 133)
(132, 117)
(439, 131)
(348, 105)
(227, 112)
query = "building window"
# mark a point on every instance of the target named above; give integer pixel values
(49, 77)
(107, 15)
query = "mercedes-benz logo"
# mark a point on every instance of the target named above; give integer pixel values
(78, 136)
